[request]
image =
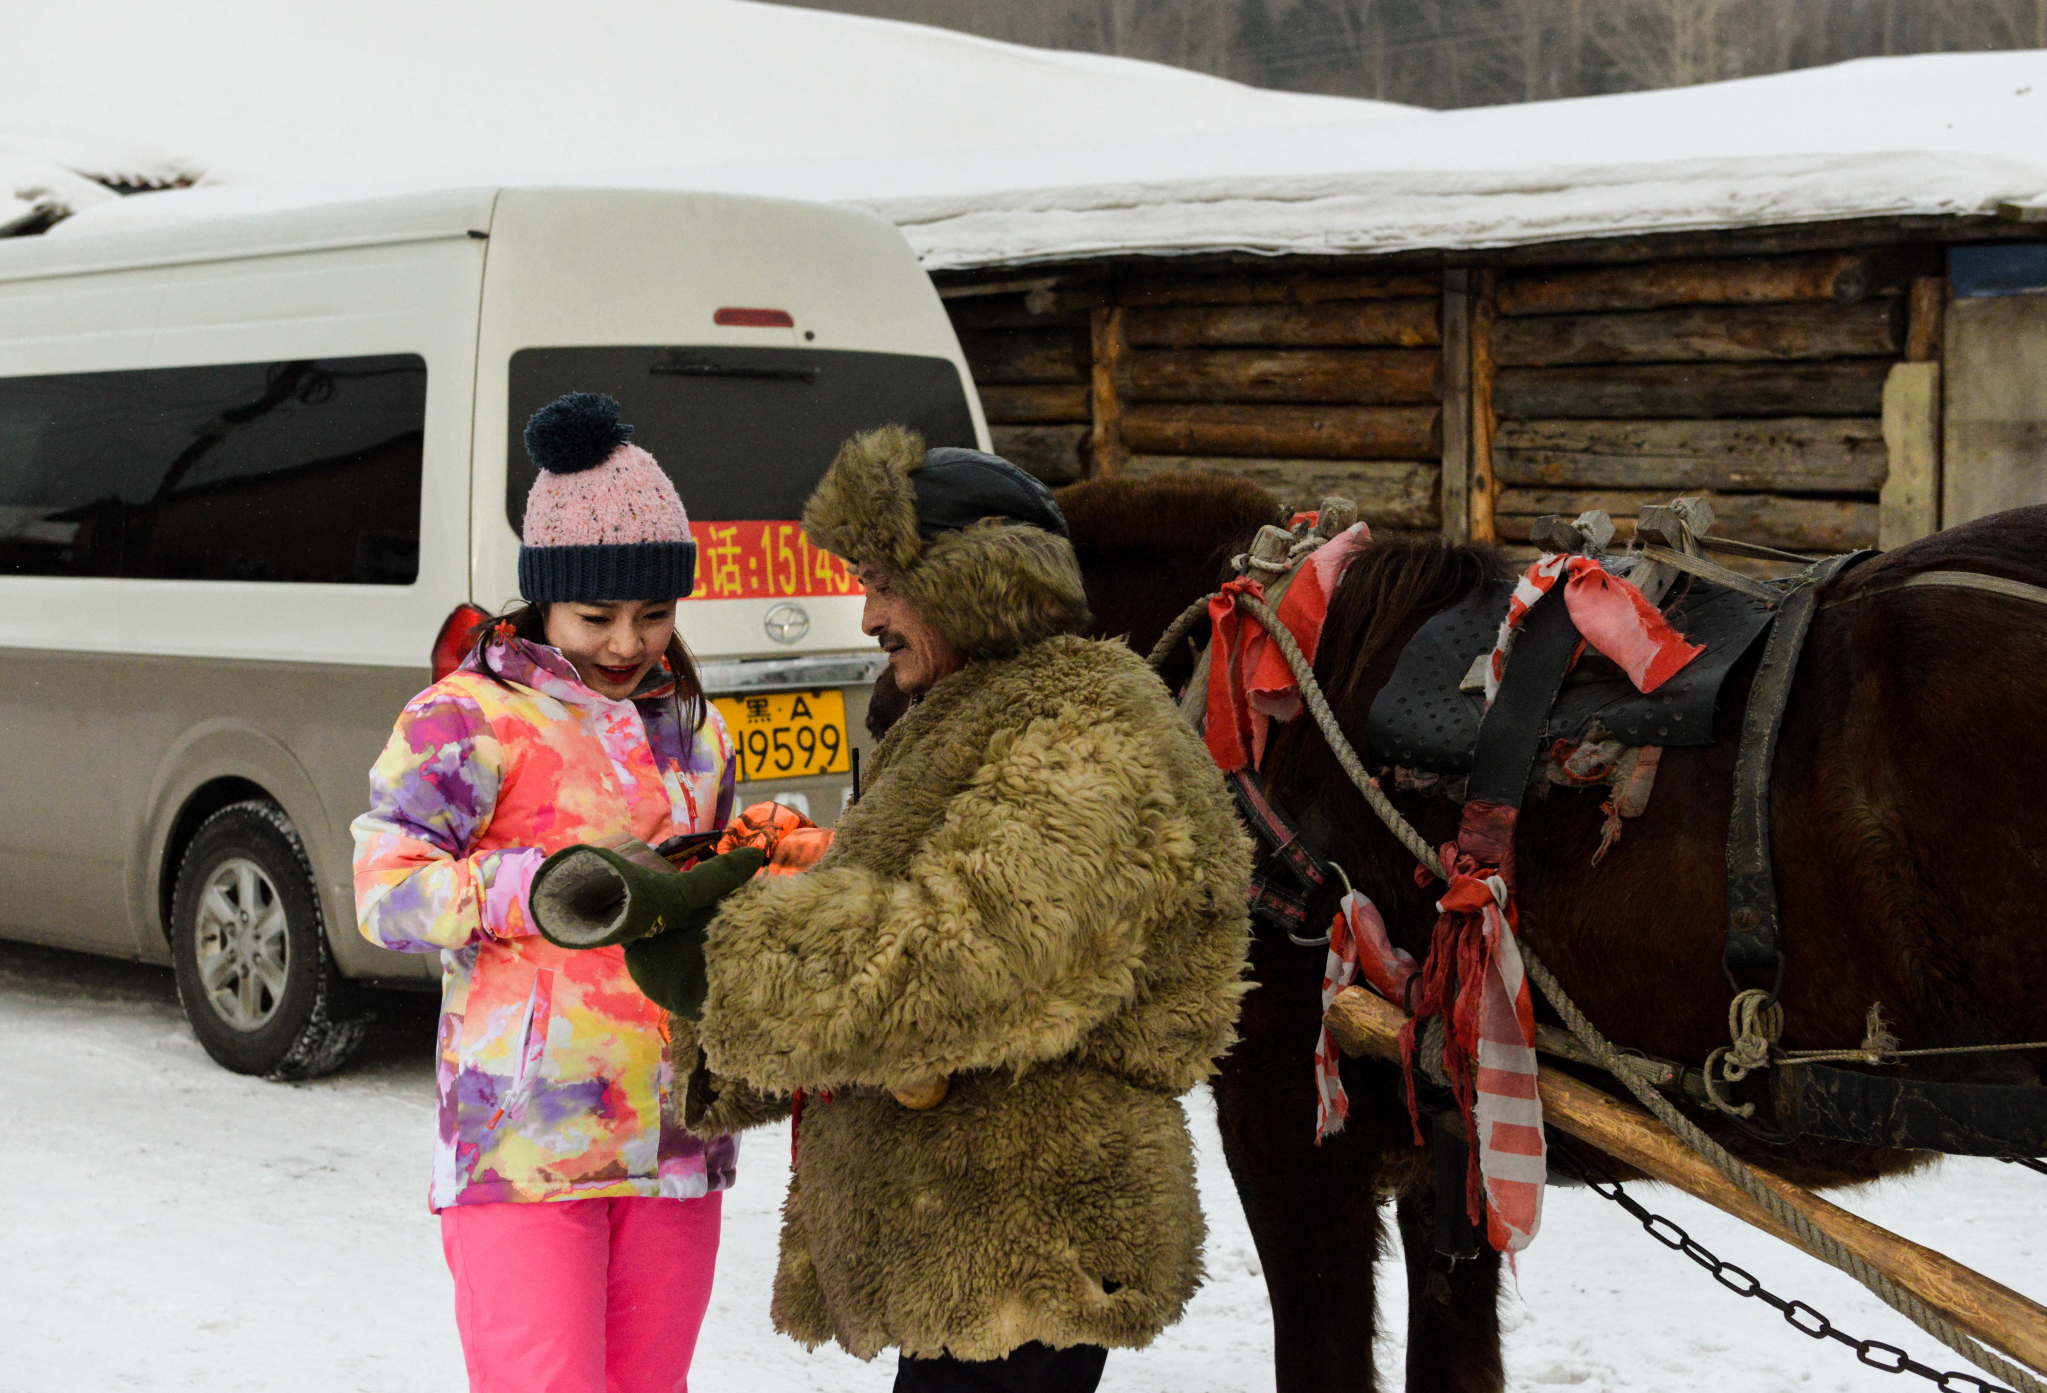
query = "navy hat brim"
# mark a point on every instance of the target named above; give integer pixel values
(620, 571)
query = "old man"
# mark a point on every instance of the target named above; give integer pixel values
(1026, 942)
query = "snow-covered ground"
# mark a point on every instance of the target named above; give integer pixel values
(171, 1226)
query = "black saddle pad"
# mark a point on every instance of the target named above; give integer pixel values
(1420, 720)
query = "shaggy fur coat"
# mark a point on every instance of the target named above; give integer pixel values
(1040, 895)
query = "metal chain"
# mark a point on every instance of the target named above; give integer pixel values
(1799, 1315)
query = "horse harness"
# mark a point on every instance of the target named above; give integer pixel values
(1423, 720)
(1280, 904)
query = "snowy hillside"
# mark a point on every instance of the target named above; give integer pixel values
(523, 89)
(985, 153)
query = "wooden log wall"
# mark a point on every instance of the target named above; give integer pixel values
(1032, 361)
(1309, 384)
(1759, 381)
(1476, 399)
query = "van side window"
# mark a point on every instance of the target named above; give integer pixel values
(305, 471)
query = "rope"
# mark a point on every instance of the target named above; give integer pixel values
(1178, 630)
(1869, 1056)
(1808, 1234)
(1755, 1022)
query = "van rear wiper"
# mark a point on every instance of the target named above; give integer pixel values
(678, 364)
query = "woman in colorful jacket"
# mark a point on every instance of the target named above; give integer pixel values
(579, 1219)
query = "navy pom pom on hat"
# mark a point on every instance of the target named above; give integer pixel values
(603, 522)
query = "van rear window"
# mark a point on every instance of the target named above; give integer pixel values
(745, 433)
(305, 471)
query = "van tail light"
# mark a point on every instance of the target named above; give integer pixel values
(451, 645)
(739, 318)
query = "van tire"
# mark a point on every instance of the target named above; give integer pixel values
(284, 1020)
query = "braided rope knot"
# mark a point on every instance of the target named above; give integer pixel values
(1755, 1022)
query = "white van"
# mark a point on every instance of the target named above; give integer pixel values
(259, 473)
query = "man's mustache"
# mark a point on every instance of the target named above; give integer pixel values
(889, 638)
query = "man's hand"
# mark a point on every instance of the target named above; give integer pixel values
(793, 842)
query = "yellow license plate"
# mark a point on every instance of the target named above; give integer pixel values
(788, 735)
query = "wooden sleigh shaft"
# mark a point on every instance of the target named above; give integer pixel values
(1366, 1024)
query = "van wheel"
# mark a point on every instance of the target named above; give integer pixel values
(249, 947)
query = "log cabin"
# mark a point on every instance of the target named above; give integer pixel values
(1466, 320)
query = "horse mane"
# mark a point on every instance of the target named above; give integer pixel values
(1386, 594)
(1383, 596)
(1148, 546)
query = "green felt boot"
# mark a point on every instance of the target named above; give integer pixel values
(593, 897)
(669, 967)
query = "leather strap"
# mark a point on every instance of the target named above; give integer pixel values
(1957, 1119)
(1960, 580)
(1754, 940)
(1278, 905)
(1456, 1235)
(1511, 735)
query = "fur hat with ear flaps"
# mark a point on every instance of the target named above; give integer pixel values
(976, 545)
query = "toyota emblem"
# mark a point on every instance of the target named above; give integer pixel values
(786, 623)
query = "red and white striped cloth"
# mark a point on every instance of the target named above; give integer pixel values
(1474, 975)
(1611, 615)
(1489, 1050)
(1357, 943)
(1493, 1028)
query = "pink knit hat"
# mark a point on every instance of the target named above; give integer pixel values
(603, 522)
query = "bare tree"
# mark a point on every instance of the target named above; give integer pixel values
(1662, 43)
(1446, 53)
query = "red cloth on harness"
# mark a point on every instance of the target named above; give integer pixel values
(1473, 977)
(1249, 683)
(1609, 613)
(1357, 944)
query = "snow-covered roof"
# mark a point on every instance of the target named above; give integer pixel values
(1932, 135)
(46, 177)
(987, 154)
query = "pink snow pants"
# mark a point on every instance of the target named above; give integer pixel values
(581, 1296)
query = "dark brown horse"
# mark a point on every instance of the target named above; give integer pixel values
(1910, 839)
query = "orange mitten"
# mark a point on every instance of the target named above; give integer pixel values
(791, 841)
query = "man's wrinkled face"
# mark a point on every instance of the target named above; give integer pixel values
(917, 656)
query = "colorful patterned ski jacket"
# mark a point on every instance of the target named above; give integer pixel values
(554, 1071)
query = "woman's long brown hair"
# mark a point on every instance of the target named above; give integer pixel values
(529, 622)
